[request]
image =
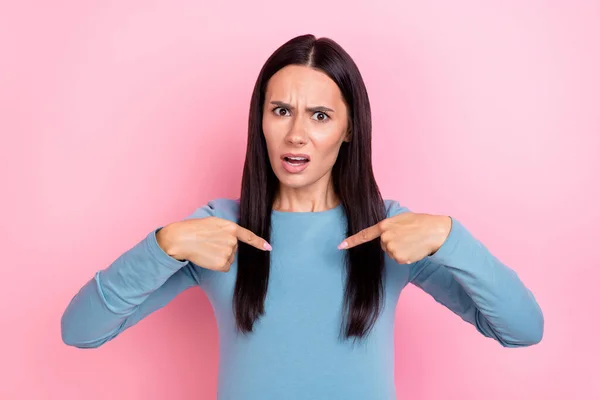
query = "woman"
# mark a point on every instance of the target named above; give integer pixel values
(305, 269)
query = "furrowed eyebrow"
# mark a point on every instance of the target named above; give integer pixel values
(312, 109)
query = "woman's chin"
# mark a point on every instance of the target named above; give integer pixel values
(295, 181)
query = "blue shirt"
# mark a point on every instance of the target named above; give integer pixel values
(295, 350)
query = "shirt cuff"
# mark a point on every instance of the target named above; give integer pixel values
(450, 251)
(159, 254)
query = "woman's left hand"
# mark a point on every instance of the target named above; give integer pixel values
(407, 237)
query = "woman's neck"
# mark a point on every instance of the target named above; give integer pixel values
(305, 199)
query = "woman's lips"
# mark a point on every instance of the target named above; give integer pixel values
(294, 168)
(296, 155)
(294, 163)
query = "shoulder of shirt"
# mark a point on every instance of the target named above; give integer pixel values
(224, 208)
(393, 207)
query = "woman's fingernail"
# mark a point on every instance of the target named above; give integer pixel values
(343, 245)
(267, 246)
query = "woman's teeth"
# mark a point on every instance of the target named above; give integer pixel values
(296, 160)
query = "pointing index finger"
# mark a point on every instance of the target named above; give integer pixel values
(361, 237)
(247, 236)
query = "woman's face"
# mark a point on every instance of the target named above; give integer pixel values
(305, 121)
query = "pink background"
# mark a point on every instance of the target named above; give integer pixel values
(119, 117)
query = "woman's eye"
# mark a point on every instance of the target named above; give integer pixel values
(280, 111)
(320, 116)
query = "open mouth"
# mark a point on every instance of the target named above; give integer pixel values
(295, 161)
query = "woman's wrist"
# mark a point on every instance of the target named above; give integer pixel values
(166, 239)
(441, 226)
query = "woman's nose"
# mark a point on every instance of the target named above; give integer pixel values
(297, 134)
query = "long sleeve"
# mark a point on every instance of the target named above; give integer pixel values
(468, 279)
(139, 282)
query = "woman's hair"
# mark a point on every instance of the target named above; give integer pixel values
(353, 182)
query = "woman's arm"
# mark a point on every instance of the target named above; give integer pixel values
(139, 282)
(465, 277)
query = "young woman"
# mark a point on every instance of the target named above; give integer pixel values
(304, 269)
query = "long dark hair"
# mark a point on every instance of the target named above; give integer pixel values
(353, 181)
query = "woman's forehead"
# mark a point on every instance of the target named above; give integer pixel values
(300, 83)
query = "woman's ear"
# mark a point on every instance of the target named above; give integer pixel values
(348, 137)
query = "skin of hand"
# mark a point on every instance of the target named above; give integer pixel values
(407, 237)
(209, 242)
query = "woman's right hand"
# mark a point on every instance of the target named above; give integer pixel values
(209, 242)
